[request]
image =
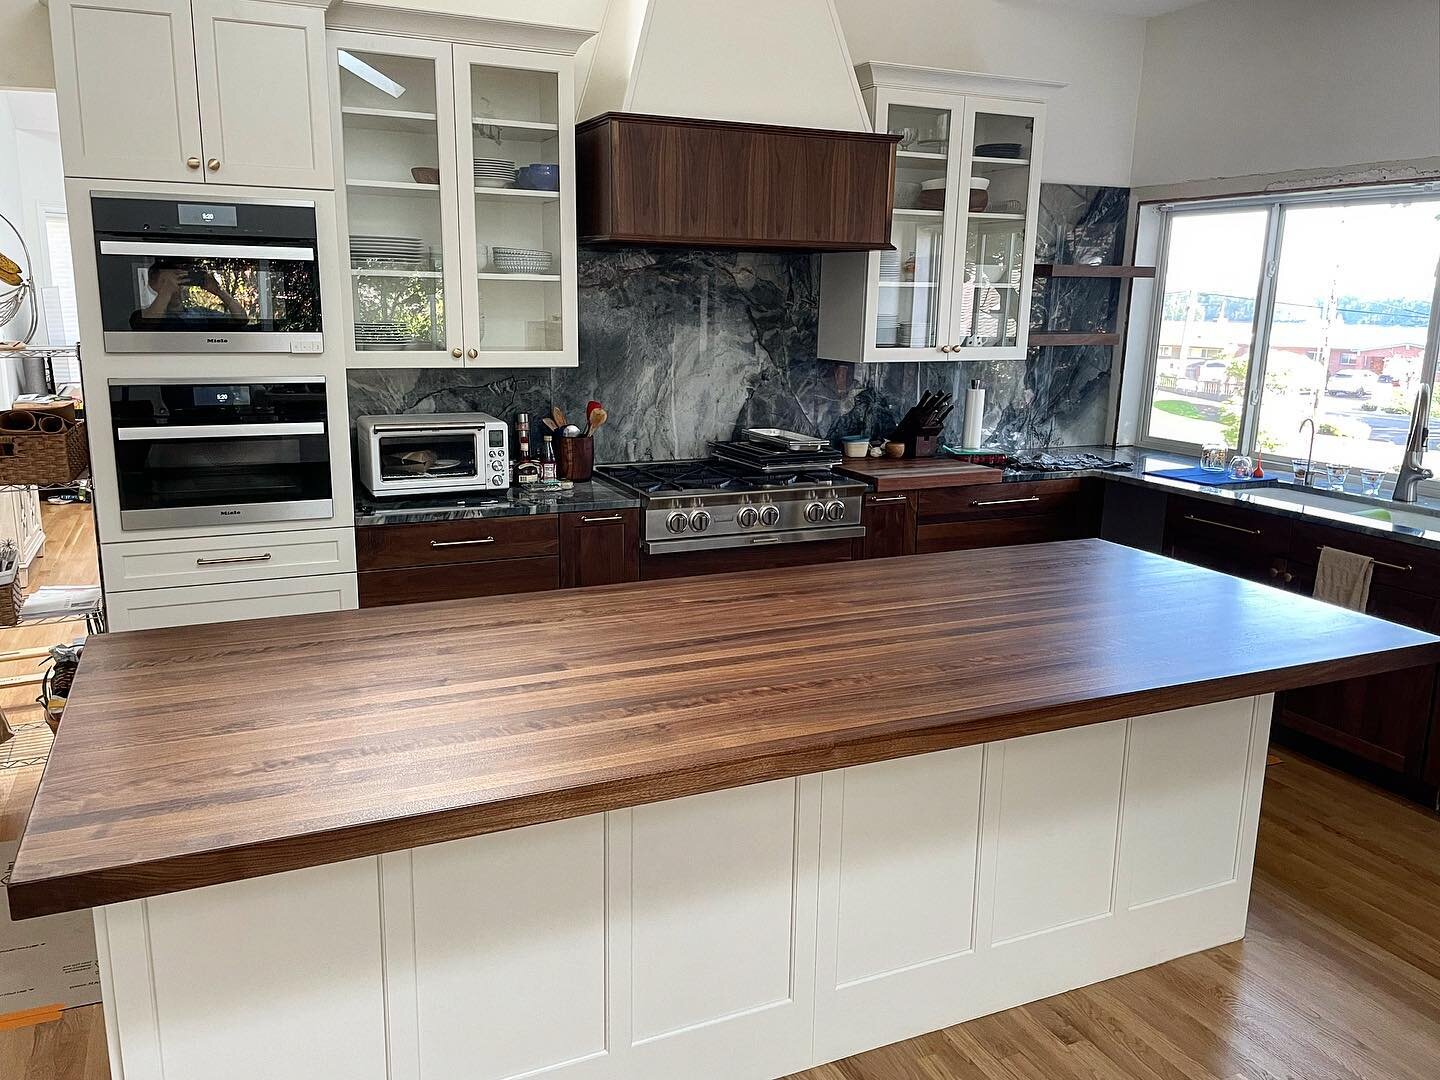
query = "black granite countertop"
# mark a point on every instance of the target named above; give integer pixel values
(513, 502)
(1264, 498)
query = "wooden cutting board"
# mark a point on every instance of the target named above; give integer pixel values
(910, 474)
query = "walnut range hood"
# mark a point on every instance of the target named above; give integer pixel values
(729, 125)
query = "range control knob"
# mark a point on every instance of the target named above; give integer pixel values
(835, 511)
(815, 513)
(677, 522)
(699, 520)
(769, 515)
(747, 517)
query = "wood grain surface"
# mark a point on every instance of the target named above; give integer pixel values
(206, 754)
(913, 474)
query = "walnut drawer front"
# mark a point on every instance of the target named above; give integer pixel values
(438, 543)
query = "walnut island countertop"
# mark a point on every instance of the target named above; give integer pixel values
(194, 756)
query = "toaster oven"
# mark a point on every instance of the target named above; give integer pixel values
(418, 453)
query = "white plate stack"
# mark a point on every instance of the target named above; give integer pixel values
(887, 329)
(382, 335)
(410, 251)
(510, 260)
(889, 266)
(494, 173)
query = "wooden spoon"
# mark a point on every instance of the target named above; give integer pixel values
(598, 416)
(558, 415)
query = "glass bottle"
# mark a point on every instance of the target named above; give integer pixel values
(549, 469)
(527, 469)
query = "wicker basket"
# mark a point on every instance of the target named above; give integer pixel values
(44, 457)
(12, 597)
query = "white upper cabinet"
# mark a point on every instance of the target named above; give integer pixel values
(967, 192)
(126, 89)
(457, 189)
(226, 91)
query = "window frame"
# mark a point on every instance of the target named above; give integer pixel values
(1262, 324)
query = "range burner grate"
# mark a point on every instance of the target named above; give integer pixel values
(686, 477)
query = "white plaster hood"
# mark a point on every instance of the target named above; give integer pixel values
(748, 61)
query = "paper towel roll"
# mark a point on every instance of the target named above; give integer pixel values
(973, 432)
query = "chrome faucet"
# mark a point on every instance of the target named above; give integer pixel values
(1309, 454)
(1412, 469)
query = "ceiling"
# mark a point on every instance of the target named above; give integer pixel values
(1144, 8)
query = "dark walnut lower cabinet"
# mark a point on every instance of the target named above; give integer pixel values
(1383, 725)
(454, 560)
(1000, 515)
(889, 520)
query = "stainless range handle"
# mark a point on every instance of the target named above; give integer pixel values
(1005, 502)
(234, 559)
(602, 520)
(207, 251)
(1222, 525)
(766, 540)
(217, 431)
(461, 543)
(875, 500)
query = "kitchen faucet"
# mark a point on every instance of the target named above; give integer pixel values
(1412, 469)
(1309, 454)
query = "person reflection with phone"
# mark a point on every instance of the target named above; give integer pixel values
(174, 308)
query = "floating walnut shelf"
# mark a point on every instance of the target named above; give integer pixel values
(1079, 270)
(1051, 337)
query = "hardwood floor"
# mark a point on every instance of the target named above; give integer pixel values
(1338, 978)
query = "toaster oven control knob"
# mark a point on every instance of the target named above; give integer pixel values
(815, 513)
(748, 517)
(769, 515)
(835, 511)
(699, 520)
(677, 522)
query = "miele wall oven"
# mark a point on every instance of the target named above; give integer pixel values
(194, 452)
(178, 274)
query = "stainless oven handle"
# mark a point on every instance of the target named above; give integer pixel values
(766, 540)
(207, 251)
(216, 431)
(234, 559)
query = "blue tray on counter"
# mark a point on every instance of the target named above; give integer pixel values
(1197, 475)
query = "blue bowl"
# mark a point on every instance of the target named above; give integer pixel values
(538, 177)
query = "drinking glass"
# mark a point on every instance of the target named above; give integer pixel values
(1300, 469)
(1370, 481)
(1336, 475)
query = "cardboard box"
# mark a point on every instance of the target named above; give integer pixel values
(45, 962)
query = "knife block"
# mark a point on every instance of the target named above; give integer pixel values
(922, 445)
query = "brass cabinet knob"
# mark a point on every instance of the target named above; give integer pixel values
(192, 162)
(944, 348)
(456, 353)
(472, 353)
(213, 164)
(954, 348)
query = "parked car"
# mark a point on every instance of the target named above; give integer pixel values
(1354, 384)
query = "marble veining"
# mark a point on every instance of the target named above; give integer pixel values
(686, 347)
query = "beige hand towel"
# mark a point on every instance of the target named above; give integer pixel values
(1343, 578)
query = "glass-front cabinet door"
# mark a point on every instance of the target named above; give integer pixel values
(516, 138)
(990, 307)
(399, 224)
(911, 285)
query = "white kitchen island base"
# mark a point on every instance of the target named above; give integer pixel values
(746, 933)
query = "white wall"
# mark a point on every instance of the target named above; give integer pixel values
(1258, 87)
(1091, 124)
(25, 46)
(31, 177)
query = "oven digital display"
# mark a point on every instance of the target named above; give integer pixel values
(497, 437)
(221, 396)
(201, 214)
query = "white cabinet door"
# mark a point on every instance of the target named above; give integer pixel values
(263, 105)
(192, 605)
(161, 564)
(126, 90)
(515, 146)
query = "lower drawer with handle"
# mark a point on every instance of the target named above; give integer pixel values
(190, 605)
(164, 564)
(438, 543)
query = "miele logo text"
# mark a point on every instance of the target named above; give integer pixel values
(229, 513)
(217, 340)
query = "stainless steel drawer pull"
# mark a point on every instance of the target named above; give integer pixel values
(234, 559)
(1222, 525)
(461, 543)
(877, 499)
(1005, 502)
(766, 540)
(1380, 562)
(602, 520)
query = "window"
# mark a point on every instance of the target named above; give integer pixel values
(62, 317)
(1277, 312)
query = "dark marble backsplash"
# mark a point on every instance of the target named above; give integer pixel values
(686, 347)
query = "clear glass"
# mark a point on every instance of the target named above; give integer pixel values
(392, 194)
(1211, 282)
(997, 203)
(1352, 306)
(514, 120)
(1371, 480)
(909, 306)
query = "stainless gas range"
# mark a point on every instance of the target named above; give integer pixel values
(693, 506)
